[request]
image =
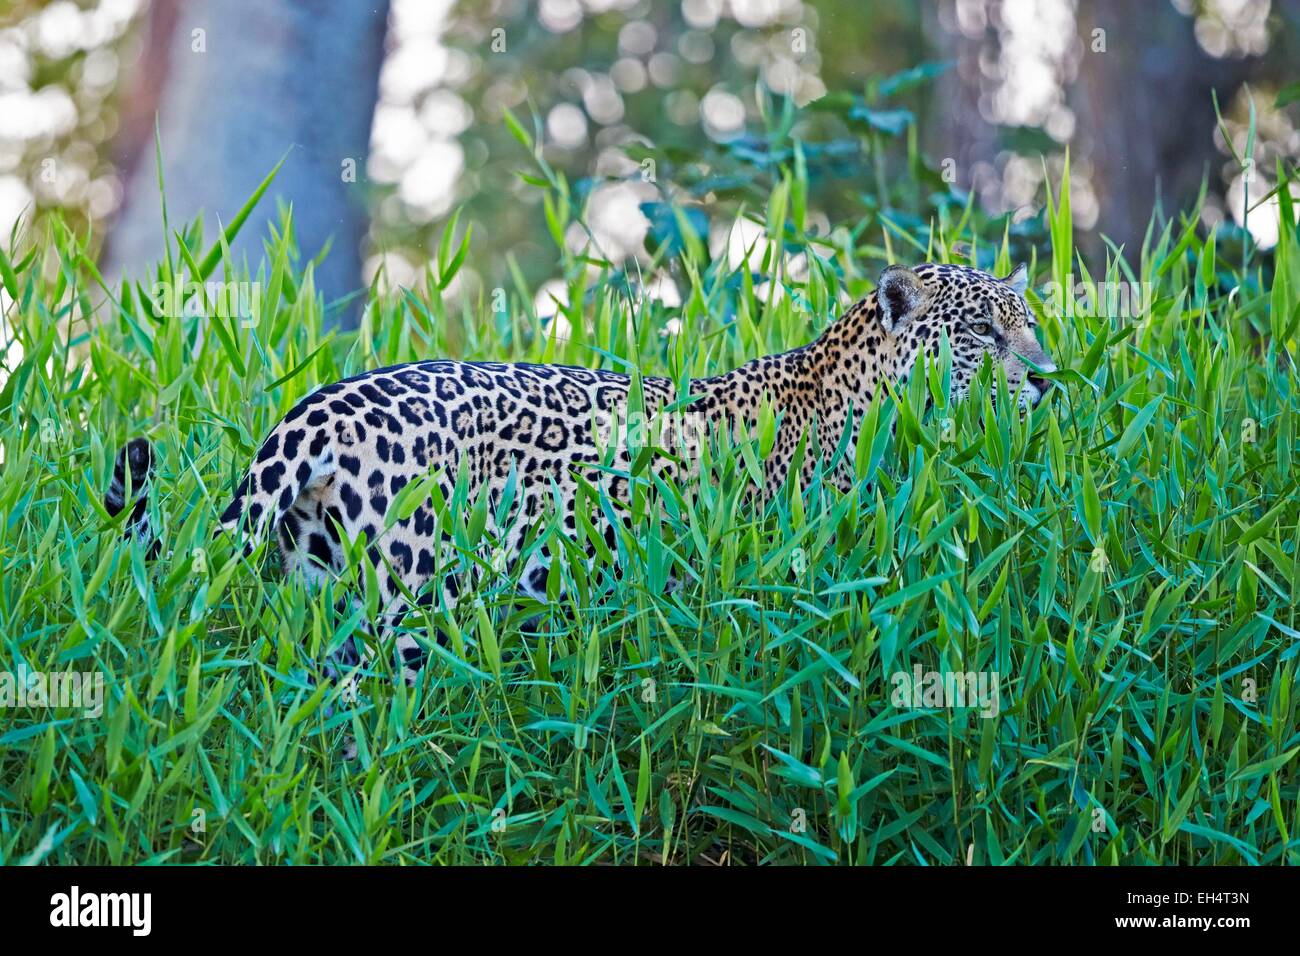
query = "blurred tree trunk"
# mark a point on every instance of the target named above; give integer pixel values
(957, 126)
(1144, 108)
(1144, 120)
(243, 83)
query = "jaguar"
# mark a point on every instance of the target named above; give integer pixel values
(331, 470)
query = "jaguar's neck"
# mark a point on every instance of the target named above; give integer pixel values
(856, 354)
(822, 383)
(844, 366)
(784, 379)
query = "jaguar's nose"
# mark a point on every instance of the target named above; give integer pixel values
(1040, 383)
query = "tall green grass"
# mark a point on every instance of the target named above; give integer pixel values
(1125, 558)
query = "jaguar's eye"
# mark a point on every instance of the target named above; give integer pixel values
(981, 328)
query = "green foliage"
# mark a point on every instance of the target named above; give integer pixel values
(1124, 558)
(864, 159)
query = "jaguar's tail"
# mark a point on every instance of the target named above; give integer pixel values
(284, 467)
(131, 473)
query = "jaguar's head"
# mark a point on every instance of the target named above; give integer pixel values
(981, 314)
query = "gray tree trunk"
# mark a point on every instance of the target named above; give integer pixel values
(1145, 120)
(262, 79)
(1146, 107)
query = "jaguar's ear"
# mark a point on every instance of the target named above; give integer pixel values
(899, 297)
(1019, 279)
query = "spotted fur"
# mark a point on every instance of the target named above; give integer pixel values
(333, 466)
